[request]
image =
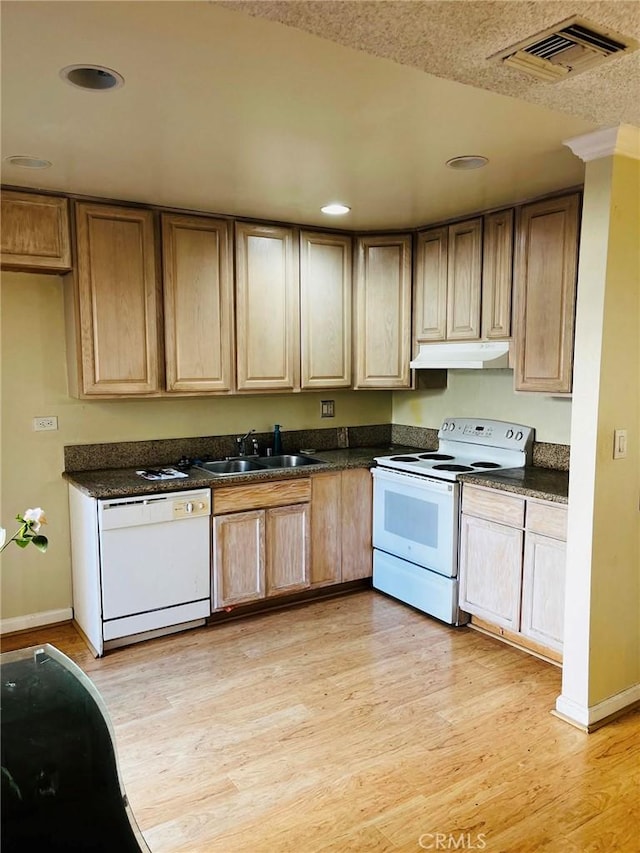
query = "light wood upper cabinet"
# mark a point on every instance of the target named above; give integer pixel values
(430, 285)
(325, 310)
(497, 275)
(112, 303)
(383, 311)
(267, 308)
(198, 303)
(464, 278)
(545, 273)
(35, 232)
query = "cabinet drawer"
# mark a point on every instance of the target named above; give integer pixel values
(260, 495)
(547, 519)
(493, 505)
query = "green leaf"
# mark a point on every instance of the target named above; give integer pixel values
(22, 543)
(41, 543)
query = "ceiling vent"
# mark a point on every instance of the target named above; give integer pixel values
(568, 48)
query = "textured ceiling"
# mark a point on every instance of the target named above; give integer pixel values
(454, 40)
(229, 113)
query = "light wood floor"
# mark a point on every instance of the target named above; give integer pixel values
(357, 724)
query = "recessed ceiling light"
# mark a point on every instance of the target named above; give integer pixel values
(335, 209)
(468, 161)
(96, 78)
(27, 162)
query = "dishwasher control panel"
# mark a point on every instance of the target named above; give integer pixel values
(192, 506)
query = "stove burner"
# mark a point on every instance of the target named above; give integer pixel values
(442, 456)
(404, 459)
(485, 465)
(450, 467)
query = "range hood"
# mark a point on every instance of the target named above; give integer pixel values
(473, 355)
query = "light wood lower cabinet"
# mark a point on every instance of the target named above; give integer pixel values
(341, 518)
(261, 541)
(35, 232)
(512, 567)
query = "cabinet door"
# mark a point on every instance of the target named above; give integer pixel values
(117, 301)
(238, 558)
(357, 514)
(545, 285)
(198, 303)
(490, 571)
(325, 310)
(464, 276)
(430, 286)
(383, 311)
(267, 308)
(326, 529)
(497, 275)
(543, 587)
(287, 549)
(35, 232)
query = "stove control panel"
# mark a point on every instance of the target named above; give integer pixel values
(489, 433)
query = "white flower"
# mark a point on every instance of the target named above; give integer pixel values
(36, 517)
(3, 537)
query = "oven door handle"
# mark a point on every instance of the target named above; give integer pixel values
(428, 483)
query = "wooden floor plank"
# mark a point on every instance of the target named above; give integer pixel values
(356, 723)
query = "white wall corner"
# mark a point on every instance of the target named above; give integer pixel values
(586, 717)
(35, 620)
(623, 139)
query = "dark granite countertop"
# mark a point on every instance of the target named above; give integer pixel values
(543, 483)
(124, 482)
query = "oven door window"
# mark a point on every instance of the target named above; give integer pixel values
(416, 519)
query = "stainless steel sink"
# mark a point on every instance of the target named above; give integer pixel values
(231, 466)
(292, 460)
(225, 468)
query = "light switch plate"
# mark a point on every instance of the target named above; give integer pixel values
(619, 443)
(327, 409)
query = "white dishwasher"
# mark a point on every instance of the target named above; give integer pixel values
(150, 573)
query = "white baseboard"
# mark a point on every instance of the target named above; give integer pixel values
(588, 717)
(35, 620)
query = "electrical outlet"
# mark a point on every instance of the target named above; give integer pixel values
(619, 443)
(46, 423)
(327, 409)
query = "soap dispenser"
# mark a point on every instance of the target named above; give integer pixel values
(277, 441)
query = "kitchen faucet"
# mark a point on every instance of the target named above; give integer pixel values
(241, 442)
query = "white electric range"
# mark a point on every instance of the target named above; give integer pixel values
(416, 510)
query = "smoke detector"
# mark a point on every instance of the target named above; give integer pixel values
(566, 49)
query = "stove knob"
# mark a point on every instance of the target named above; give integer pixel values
(518, 436)
(509, 433)
(452, 425)
(445, 426)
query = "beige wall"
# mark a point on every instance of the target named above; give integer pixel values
(34, 383)
(487, 394)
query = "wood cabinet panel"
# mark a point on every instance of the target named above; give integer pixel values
(545, 274)
(491, 571)
(325, 310)
(497, 274)
(543, 590)
(116, 301)
(357, 503)
(198, 303)
(35, 232)
(287, 549)
(262, 495)
(493, 505)
(464, 277)
(238, 558)
(547, 519)
(326, 529)
(267, 308)
(430, 285)
(383, 311)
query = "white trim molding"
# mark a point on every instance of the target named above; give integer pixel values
(588, 717)
(623, 139)
(35, 620)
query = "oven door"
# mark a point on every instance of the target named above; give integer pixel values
(416, 518)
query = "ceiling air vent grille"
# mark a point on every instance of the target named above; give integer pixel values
(568, 48)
